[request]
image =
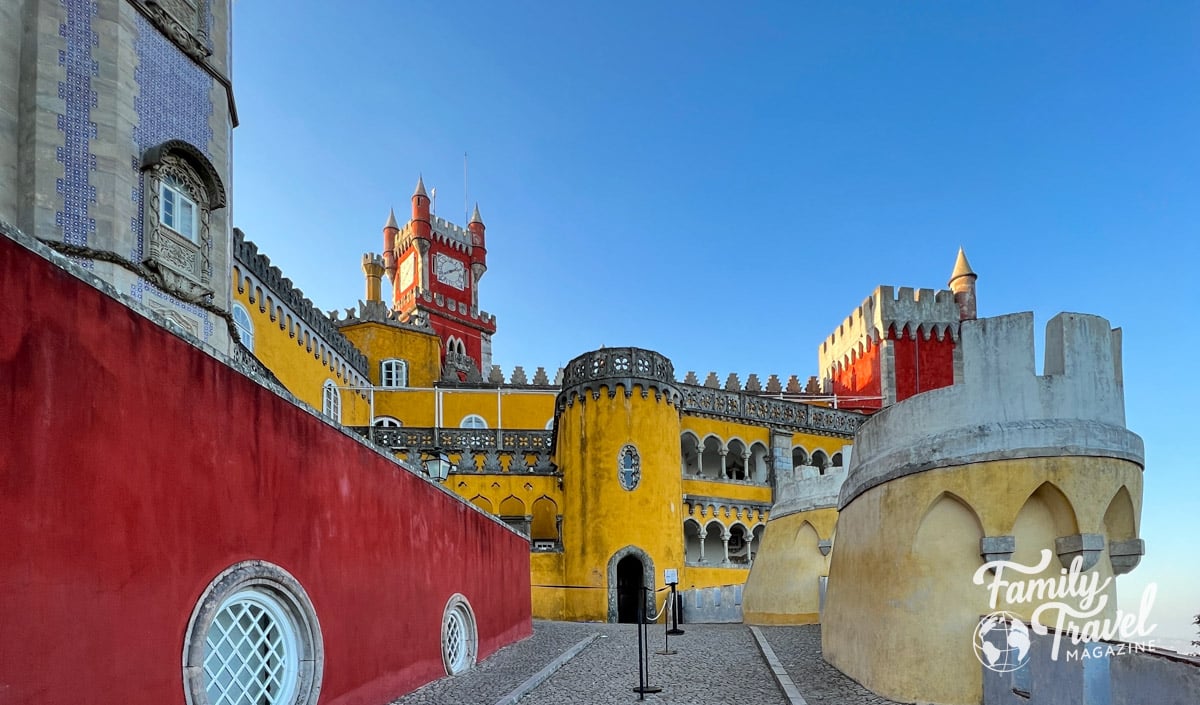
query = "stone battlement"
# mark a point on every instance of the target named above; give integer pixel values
(805, 488)
(1001, 408)
(458, 309)
(923, 312)
(246, 254)
(754, 384)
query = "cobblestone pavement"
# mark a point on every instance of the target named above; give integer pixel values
(715, 664)
(799, 649)
(504, 670)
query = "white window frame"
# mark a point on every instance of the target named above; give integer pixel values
(393, 373)
(245, 325)
(387, 422)
(174, 197)
(331, 401)
(458, 627)
(276, 595)
(473, 421)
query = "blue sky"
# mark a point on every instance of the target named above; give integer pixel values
(724, 183)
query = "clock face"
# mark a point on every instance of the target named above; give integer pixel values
(450, 271)
(407, 272)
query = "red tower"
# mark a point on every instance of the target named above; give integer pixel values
(899, 343)
(435, 267)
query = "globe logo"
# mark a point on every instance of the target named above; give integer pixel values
(1001, 642)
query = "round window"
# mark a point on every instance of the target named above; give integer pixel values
(459, 638)
(253, 638)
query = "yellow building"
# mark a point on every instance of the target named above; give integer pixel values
(616, 470)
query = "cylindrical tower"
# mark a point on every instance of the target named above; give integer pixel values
(618, 449)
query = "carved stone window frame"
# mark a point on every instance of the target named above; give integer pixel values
(629, 477)
(184, 22)
(178, 263)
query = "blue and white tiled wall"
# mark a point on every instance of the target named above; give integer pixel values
(76, 218)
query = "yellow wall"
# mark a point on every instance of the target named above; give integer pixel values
(600, 516)
(301, 371)
(380, 342)
(901, 607)
(783, 586)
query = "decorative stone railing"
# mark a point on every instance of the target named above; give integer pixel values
(471, 450)
(769, 412)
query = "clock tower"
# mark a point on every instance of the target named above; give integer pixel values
(435, 267)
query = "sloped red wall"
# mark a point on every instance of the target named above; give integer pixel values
(135, 468)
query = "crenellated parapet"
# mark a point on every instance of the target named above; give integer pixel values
(1003, 409)
(913, 312)
(264, 280)
(379, 312)
(805, 488)
(519, 378)
(609, 368)
(753, 384)
(447, 306)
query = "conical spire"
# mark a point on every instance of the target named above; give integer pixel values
(391, 221)
(962, 268)
(475, 216)
(420, 187)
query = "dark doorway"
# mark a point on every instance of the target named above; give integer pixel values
(629, 588)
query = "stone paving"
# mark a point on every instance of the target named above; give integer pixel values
(715, 664)
(799, 649)
(504, 670)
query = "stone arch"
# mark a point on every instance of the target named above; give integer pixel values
(195, 159)
(648, 576)
(757, 471)
(739, 543)
(799, 457)
(689, 454)
(1120, 519)
(483, 503)
(512, 506)
(711, 448)
(691, 540)
(714, 548)
(735, 459)
(1046, 515)
(545, 519)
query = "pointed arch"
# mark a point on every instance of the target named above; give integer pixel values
(545, 524)
(511, 506)
(1120, 518)
(482, 502)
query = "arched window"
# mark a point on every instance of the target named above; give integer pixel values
(393, 374)
(550, 424)
(387, 422)
(472, 421)
(331, 401)
(245, 326)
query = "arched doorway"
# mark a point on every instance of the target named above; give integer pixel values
(629, 570)
(629, 588)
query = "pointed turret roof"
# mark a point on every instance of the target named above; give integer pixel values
(962, 268)
(475, 216)
(420, 187)
(391, 221)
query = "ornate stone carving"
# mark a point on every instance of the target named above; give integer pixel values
(184, 22)
(178, 264)
(482, 448)
(609, 368)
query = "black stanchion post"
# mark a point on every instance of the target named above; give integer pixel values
(675, 630)
(643, 651)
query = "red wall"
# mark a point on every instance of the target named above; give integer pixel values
(860, 378)
(921, 365)
(136, 468)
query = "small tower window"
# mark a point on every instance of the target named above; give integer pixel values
(393, 374)
(629, 467)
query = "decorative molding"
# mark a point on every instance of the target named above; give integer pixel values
(705, 401)
(609, 368)
(192, 37)
(485, 449)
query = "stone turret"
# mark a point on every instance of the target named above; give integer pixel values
(962, 283)
(390, 230)
(373, 268)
